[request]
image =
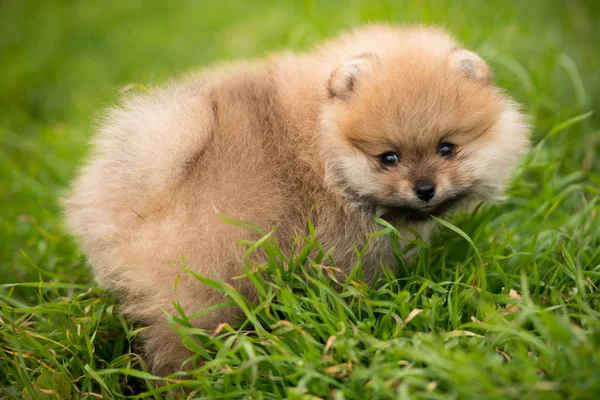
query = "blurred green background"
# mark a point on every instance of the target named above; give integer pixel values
(62, 62)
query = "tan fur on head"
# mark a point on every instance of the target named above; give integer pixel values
(264, 142)
(419, 97)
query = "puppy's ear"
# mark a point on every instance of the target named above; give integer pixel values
(471, 65)
(344, 78)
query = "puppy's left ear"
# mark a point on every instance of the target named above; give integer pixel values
(345, 78)
(471, 65)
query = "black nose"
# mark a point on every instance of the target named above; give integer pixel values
(425, 190)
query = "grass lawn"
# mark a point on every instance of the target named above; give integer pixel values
(504, 303)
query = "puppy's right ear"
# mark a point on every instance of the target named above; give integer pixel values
(345, 78)
(471, 66)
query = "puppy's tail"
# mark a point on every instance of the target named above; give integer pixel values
(146, 145)
(142, 153)
(149, 143)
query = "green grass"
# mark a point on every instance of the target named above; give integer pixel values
(503, 304)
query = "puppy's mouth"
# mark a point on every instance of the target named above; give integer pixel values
(409, 213)
(406, 212)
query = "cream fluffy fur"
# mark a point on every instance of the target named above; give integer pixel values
(264, 142)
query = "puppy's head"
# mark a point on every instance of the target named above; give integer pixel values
(417, 128)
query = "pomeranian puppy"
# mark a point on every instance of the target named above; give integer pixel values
(398, 122)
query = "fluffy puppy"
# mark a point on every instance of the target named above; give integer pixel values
(398, 122)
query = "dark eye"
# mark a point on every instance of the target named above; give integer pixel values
(389, 159)
(446, 150)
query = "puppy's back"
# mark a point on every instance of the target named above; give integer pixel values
(166, 165)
